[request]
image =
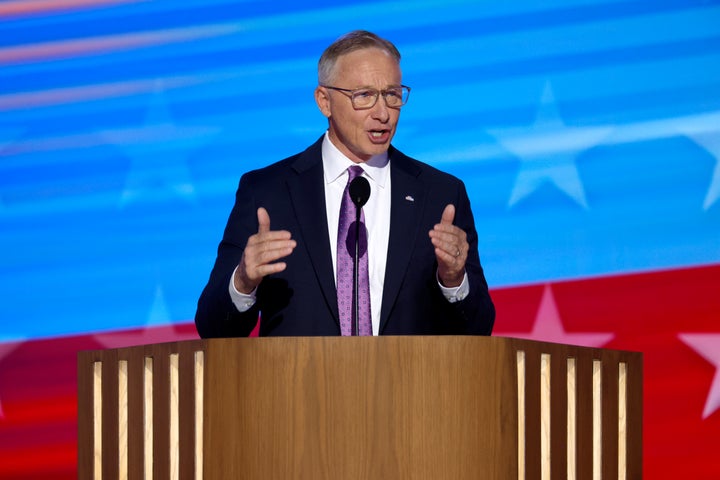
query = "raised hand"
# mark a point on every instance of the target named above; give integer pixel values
(261, 253)
(451, 248)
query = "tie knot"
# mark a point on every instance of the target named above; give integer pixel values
(354, 172)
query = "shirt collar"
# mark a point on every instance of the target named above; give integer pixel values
(335, 163)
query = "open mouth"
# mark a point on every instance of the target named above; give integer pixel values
(379, 136)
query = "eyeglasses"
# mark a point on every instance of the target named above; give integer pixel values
(364, 98)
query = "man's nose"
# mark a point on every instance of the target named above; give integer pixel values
(380, 110)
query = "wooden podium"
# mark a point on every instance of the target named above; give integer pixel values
(360, 408)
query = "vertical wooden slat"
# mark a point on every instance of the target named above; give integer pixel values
(174, 420)
(97, 416)
(136, 393)
(610, 415)
(110, 415)
(148, 417)
(161, 411)
(122, 419)
(199, 412)
(634, 413)
(558, 419)
(187, 411)
(532, 414)
(545, 405)
(571, 419)
(584, 416)
(622, 421)
(597, 423)
(521, 374)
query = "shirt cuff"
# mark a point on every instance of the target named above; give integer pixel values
(455, 294)
(242, 301)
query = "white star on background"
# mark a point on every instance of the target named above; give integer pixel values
(714, 191)
(710, 141)
(704, 129)
(548, 327)
(547, 150)
(158, 328)
(707, 345)
(158, 152)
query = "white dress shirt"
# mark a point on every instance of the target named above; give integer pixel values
(377, 222)
(377, 215)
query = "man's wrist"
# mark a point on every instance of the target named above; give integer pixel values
(455, 294)
(242, 301)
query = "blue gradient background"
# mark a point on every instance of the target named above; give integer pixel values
(587, 132)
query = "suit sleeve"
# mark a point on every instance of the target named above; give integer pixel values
(216, 315)
(475, 312)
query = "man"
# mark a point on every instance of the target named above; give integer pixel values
(282, 257)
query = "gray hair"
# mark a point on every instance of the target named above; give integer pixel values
(350, 42)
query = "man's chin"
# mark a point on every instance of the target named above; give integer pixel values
(378, 147)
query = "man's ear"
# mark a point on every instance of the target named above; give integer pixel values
(322, 98)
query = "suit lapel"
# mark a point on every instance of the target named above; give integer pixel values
(407, 203)
(307, 191)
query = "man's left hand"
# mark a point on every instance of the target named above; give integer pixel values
(451, 248)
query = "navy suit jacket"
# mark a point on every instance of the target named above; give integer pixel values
(302, 300)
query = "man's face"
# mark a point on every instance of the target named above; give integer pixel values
(360, 134)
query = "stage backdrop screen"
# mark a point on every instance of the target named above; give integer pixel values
(587, 133)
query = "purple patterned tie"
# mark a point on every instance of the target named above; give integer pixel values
(345, 255)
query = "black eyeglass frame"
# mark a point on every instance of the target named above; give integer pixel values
(354, 91)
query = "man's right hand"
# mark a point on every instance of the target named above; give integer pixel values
(261, 253)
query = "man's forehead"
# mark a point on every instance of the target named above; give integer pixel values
(367, 62)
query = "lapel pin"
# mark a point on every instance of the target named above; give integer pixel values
(409, 198)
